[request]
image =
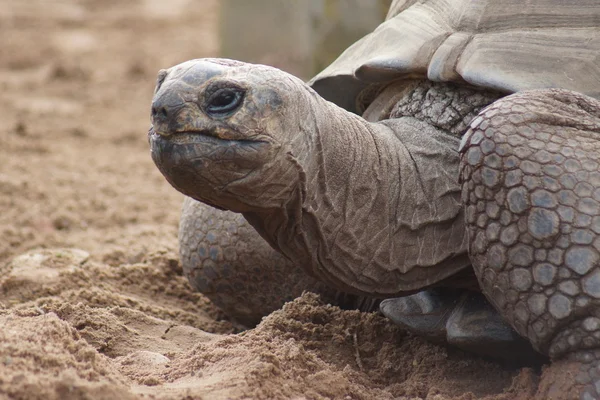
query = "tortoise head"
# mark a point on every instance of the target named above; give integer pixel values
(222, 130)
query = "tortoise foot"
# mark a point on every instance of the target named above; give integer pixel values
(574, 377)
(531, 190)
(459, 318)
(476, 326)
(425, 313)
(588, 374)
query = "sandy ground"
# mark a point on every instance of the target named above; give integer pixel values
(92, 301)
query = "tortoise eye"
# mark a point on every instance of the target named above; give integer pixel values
(224, 101)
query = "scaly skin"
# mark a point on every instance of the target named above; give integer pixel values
(226, 260)
(354, 203)
(224, 257)
(374, 208)
(531, 188)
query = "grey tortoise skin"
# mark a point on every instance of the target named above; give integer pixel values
(530, 174)
(226, 260)
(528, 177)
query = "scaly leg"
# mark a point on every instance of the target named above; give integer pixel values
(530, 176)
(224, 258)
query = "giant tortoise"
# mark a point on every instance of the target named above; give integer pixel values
(474, 166)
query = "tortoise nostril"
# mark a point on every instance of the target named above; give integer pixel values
(160, 112)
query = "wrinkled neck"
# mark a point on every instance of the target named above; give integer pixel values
(345, 156)
(364, 209)
(332, 150)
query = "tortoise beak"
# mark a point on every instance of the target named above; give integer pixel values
(202, 166)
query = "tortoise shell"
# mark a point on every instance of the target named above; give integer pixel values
(506, 45)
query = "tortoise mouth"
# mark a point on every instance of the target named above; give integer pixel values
(197, 136)
(201, 165)
(205, 144)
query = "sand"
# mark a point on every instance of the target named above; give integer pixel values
(92, 301)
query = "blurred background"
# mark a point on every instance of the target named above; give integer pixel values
(301, 37)
(76, 81)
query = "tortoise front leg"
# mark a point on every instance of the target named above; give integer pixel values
(224, 258)
(530, 174)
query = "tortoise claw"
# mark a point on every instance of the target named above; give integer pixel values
(425, 313)
(475, 326)
(461, 319)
